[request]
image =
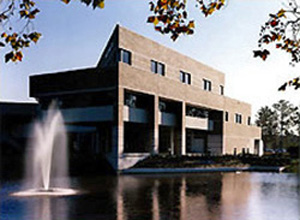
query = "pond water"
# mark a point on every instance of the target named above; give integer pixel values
(210, 196)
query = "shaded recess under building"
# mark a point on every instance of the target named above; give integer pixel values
(143, 98)
(15, 124)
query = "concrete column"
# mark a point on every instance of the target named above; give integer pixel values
(183, 135)
(156, 125)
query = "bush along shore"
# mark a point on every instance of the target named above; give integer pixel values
(247, 160)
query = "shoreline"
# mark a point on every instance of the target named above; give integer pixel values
(202, 170)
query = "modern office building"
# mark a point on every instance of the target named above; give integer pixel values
(143, 98)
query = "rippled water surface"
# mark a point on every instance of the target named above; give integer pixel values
(211, 196)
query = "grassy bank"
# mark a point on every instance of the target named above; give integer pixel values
(172, 161)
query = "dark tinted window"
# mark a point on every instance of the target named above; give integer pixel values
(125, 56)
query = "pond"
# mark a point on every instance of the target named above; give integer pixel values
(209, 196)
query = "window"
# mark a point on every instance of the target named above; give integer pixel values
(243, 151)
(249, 120)
(221, 90)
(185, 77)
(234, 151)
(226, 116)
(157, 67)
(238, 118)
(153, 66)
(125, 56)
(206, 85)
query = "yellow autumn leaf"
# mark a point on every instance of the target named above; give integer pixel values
(3, 35)
(165, 7)
(191, 24)
(101, 4)
(175, 4)
(281, 13)
(155, 22)
(210, 10)
(279, 37)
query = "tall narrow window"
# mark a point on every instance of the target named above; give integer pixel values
(206, 85)
(182, 76)
(249, 120)
(238, 118)
(157, 67)
(161, 69)
(125, 56)
(221, 90)
(153, 66)
(185, 77)
(226, 116)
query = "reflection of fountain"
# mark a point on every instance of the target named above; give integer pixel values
(47, 157)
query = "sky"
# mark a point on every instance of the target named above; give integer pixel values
(73, 36)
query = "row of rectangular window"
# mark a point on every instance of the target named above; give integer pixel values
(238, 118)
(243, 151)
(159, 68)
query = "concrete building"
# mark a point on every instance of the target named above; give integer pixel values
(143, 98)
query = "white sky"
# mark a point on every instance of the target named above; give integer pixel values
(74, 36)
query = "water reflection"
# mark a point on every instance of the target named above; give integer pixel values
(208, 196)
(47, 208)
(212, 196)
(169, 197)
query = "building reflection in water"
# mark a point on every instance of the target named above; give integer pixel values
(236, 192)
(206, 196)
(171, 197)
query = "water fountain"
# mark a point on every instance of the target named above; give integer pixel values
(47, 158)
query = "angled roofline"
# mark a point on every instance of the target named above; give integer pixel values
(114, 33)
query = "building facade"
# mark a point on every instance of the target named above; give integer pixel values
(143, 98)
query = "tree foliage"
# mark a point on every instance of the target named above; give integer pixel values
(18, 37)
(297, 121)
(278, 122)
(171, 16)
(27, 11)
(282, 31)
(267, 120)
(286, 116)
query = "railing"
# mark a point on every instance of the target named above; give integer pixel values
(137, 115)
